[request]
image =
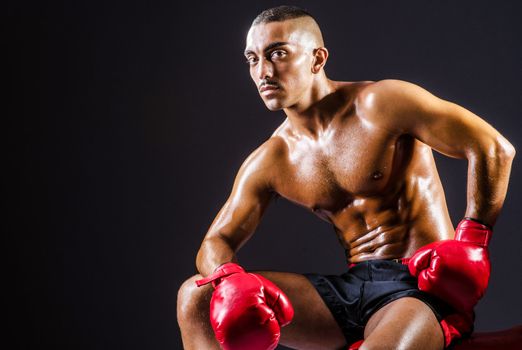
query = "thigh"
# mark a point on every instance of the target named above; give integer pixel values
(313, 326)
(406, 323)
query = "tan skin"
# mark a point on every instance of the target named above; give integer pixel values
(359, 156)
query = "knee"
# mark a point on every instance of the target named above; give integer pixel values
(193, 301)
(380, 346)
(376, 347)
(366, 347)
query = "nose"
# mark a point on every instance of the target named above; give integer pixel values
(265, 69)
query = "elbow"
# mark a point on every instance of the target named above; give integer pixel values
(505, 150)
(497, 151)
(200, 258)
(203, 253)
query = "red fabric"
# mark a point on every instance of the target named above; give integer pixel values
(455, 326)
(508, 339)
(355, 345)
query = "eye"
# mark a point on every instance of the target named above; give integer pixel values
(278, 54)
(251, 60)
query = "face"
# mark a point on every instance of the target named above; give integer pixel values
(280, 59)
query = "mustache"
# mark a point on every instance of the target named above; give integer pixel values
(265, 82)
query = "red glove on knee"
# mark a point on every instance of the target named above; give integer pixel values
(457, 271)
(246, 309)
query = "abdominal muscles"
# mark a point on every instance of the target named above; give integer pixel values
(395, 225)
(408, 213)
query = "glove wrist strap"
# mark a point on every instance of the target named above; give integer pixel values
(479, 221)
(222, 271)
(471, 231)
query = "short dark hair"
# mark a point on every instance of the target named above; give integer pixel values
(280, 13)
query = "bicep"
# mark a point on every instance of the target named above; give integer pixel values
(242, 211)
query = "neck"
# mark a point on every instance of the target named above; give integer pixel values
(309, 116)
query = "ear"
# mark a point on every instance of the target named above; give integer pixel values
(320, 57)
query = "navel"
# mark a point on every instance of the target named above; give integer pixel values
(376, 175)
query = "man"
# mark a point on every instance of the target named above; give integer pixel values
(358, 155)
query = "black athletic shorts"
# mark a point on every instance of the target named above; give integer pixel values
(366, 287)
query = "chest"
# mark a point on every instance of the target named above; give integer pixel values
(350, 163)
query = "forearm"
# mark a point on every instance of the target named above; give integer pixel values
(488, 178)
(214, 251)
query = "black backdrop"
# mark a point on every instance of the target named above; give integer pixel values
(127, 122)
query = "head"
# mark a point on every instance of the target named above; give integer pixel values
(285, 50)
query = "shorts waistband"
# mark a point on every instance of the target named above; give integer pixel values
(404, 261)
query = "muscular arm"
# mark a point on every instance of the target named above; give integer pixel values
(450, 129)
(241, 213)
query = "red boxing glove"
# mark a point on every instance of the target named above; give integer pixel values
(457, 271)
(246, 309)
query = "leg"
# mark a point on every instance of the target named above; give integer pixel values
(193, 313)
(313, 326)
(406, 323)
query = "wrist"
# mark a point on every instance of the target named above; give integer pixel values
(219, 273)
(479, 221)
(471, 230)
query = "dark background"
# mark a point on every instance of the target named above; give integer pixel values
(126, 123)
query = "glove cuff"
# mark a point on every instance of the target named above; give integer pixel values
(471, 231)
(222, 271)
(479, 221)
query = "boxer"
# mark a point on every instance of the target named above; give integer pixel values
(359, 156)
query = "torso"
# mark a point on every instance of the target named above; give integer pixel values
(380, 190)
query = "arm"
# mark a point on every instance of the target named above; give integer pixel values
(238, 218)
(450, 129)
(457, 271)
(246, 309)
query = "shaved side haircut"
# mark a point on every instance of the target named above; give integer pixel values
(280, 13)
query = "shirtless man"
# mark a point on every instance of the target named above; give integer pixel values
(358, 155)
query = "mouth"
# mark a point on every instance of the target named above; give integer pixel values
(268, 88)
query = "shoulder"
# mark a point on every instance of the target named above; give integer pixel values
(269, 152)
(387, 93)
(392, 103)
(262, 164)
(269, 155)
